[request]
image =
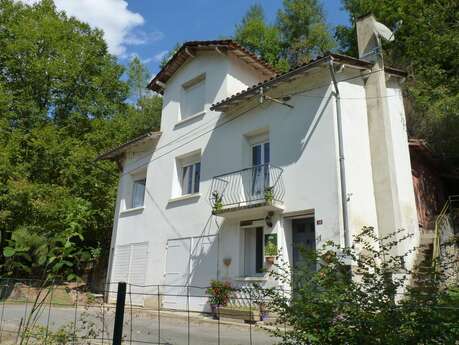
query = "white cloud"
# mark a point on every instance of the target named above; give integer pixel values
(141, 37)
(113, 17)
(158, 57)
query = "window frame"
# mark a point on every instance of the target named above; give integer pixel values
(192, 186)
(198, 81)
(257, 251)
(136, 183)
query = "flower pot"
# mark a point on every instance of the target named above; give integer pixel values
(270, 259)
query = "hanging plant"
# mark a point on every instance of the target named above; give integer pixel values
(218, 201)
(269, 195)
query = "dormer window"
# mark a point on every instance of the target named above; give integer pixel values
(192, 102)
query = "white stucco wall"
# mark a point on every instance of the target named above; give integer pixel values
(303, 142)
(405, 188)
(357, 155)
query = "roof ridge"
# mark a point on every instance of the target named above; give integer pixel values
(169, 69)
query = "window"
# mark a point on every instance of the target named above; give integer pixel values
(260, 172)
(191, 176)
(193, 97)
(138, 193)
(253, 251)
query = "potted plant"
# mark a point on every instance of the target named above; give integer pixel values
(218, 201)
(269, 195)
(219, 294)
(270, 248)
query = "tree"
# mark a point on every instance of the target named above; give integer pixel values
(169, 54)
(299, 34)
(56, 68)
(426, 47)
(304, 32)
(138, 78)
(260, 38)
(62, 102)
(332, 302)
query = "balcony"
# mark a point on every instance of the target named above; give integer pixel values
(248, 192)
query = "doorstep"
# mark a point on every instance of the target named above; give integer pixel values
(200, 317)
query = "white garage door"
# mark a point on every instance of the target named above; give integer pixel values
(130, 265)
(190, 262)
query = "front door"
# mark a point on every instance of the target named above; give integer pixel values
(260, 170)
(304, 239)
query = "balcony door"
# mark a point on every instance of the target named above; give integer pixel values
(260, 170)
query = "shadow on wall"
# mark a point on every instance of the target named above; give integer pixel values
(290, 132)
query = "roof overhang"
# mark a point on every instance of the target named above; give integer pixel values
(117, 152)
(189, 50)
(238, 98)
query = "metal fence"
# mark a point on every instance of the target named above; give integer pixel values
(33, 313)
(247, 187)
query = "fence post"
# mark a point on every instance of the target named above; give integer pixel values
(119, 314)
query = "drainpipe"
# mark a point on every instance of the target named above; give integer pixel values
(342, 172)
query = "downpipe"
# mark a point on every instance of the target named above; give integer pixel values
(342, 172)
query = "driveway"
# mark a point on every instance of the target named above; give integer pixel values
(174, 327)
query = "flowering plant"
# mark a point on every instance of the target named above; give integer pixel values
(219, 292)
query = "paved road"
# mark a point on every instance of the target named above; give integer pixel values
(174, 327)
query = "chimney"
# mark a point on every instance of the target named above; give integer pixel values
(369, 34)
(380, 128)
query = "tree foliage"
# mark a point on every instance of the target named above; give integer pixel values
(260, 38)
(360, 295)
(138, 78)
(426, 46)
(62, 102)
(304, 30)
(299, 34)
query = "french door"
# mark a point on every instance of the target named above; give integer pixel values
(260, 170)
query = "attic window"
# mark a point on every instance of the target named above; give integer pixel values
(193, 99)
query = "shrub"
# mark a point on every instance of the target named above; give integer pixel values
(219, 292)
(360, 295)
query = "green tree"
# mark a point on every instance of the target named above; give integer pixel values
(169, 54)
(426, 46)
(260, 38)
(333, 302)
(304, 32)
(56, 68)
(138, 78)
(62, 102)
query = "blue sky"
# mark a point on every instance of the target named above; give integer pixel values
(150, 28)
(168, 22)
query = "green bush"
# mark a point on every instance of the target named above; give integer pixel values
(360, 295)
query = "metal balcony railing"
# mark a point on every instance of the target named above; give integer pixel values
(251, 186)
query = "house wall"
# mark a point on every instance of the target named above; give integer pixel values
(303, 143)
(406, 198)
(357, 155)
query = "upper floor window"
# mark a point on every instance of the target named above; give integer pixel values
(193, 99)
(138, 193)
(191, 176)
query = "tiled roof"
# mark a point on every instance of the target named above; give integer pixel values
(188, 50)
(285, 77)
(117, 151)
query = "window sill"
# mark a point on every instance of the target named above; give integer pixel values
(191, 118)
(131, 211)
(185, 197)
(252, 279)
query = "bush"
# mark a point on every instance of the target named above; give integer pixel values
(219, 292)
(360, 295)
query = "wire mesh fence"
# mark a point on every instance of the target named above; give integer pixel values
(32, 312)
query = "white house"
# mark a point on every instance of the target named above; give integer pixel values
(308, 156)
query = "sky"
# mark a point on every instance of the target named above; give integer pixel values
(150, 28)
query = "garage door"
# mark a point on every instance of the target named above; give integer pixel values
(190, 262)
(130, 265)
